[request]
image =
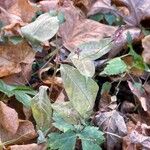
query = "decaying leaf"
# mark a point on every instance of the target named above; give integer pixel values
(11, 57)
(146, 51)
(41, 109)
(112, 122)
(8, 118)
(81, 91)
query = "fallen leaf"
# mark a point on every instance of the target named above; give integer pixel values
(47, 5)
(138, 138)
(112, 123)
(6, 4)
(11, 57)
(8, 18)
(24, 133)
(8, 118)
(24, 9)
(101, 6)
(26, 147)
(84, 5)
(87, 31)
(139, 10)
(146, 51)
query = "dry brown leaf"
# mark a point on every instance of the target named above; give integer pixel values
(24, 9)
(85, 31)
(11, 57)
(84, 5)
(112, 123)
(24, 133)
(26, 147)
(8, 18)
(8, 118)
(146, 46)
(139, 10)
(7, 3)
(101, 6)
(47, 5)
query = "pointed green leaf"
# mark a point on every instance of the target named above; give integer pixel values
(42, 29)
(114, 67)
(22, 93)
(41, 109)
(64, 141)
(81, 90)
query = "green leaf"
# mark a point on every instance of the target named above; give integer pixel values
(97, 17)
(41, 109)
(106, 87)
(114, 67)
(81, 90)
(89, 51)
(42, 29)
(15, 39)
(110, 18)
(138, 60)
(22, 93)
(67, 112)
(64, 141)
(61, 124)
(91, 138)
